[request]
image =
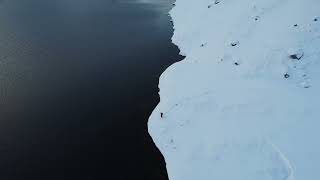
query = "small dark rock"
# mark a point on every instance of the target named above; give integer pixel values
(216, 1)
(296, 56)
(286, 75)
(236, 63)
(296, 25)
(234, 43)
(315, 19)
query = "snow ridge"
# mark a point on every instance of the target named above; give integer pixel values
(244, 103)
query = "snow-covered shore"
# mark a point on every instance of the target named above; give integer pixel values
(244, 103)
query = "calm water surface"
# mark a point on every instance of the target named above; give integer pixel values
(78, 81)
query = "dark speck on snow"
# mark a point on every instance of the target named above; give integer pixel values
(234, 43)
(286, 75)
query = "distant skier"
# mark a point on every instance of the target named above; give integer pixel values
(161, 114)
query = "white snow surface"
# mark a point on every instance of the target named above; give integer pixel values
(244, 103)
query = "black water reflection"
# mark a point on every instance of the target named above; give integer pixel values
(78, 81)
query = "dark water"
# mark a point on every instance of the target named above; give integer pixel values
(78, 81)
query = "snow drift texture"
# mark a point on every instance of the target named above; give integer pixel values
(244, 104)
